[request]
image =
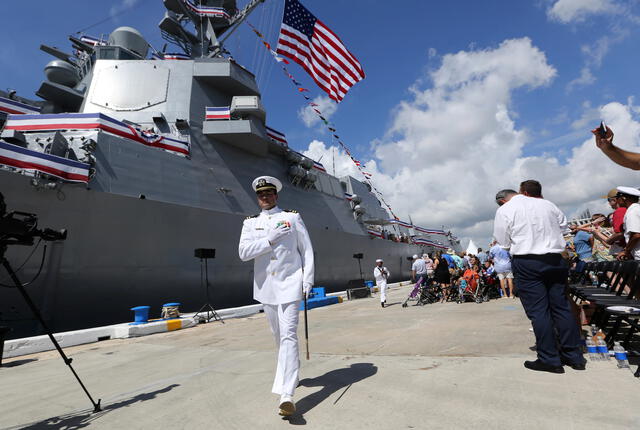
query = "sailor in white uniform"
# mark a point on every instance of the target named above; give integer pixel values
(278, 243)
(380, 273)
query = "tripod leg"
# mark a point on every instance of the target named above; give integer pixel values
(34, 309)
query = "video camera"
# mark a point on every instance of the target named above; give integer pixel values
(20, 228)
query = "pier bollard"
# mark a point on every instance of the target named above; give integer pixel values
(141, 315)
(170, 310)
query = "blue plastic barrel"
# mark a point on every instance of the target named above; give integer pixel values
(141, 314)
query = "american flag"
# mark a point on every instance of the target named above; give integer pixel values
(311, 44)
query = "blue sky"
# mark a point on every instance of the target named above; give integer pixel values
(542, 73)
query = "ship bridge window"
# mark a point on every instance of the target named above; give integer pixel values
(115, 53)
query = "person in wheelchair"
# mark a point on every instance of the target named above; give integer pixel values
(489, 278)
(469, 282)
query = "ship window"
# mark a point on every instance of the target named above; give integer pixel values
(115, 53)
(107, 53)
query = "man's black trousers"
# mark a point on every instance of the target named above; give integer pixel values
(541, 281)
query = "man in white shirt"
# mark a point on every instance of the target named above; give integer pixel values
(627, 197)
(381, 274)
(418, 275)
(278, 243)
(531, 227)
(418, 269)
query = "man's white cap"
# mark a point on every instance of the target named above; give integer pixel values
(266, 183)
(425, 255)
(379, 260)
(630, 191)
(415, 256)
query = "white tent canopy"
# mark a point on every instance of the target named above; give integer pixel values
(472, 248)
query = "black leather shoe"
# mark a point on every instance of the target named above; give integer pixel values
(542, 367)
(575, 366)
(382, 303)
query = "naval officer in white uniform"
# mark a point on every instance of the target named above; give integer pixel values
(278, 243)
(380, 273)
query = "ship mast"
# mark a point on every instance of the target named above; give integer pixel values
(210, 18)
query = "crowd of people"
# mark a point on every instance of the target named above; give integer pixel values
(607, 237)
(455, 275)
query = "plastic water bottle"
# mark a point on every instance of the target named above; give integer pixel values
(621, 356)
(603, 350)
(592, 349)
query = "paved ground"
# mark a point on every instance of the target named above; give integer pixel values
(439, 366)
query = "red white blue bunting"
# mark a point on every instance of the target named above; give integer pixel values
(421, 241)
(27, 159)
(375, 233)
(417, 228)
(400, 223)
(429, 231)
(208, 11)
(97, 121)
(9, 106)
(319, 166)
(276, 136)
(217, 113)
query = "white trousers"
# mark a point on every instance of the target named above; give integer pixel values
(382, 286)
(283, 320)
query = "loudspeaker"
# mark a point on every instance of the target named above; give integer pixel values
(358, 256)
(358, 293)
(204, 253)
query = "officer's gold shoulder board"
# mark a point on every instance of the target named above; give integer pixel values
(291, 211)
(252, 216)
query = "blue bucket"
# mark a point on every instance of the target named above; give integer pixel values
(368, 284)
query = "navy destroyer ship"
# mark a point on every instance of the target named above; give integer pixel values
(145, 156)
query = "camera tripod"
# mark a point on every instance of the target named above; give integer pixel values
(204, 254)
(36, 312)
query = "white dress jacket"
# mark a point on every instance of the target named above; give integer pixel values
(379, 277)
(279, 270)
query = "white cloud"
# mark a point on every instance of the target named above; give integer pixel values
(585, 78)
(567, 11)
(122, 6)
(453, 145)
(325, 105)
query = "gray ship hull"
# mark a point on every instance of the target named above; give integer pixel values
(124, 251)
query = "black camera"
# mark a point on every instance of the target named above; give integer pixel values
(20, 228)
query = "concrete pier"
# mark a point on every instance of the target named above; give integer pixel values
(441, 366)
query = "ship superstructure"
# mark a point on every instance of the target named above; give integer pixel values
(144, 156)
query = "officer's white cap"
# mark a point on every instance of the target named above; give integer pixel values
(415, 256)
(379, 260)
(266, 183)
(630, 191)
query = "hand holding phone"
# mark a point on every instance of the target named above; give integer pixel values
(604, 135)
(602, 130)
